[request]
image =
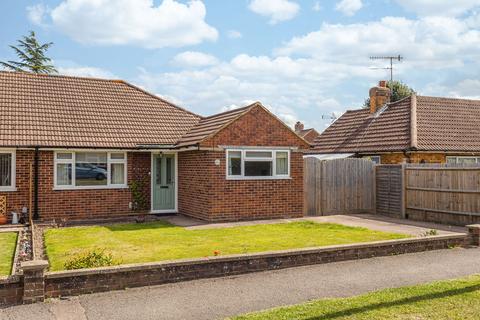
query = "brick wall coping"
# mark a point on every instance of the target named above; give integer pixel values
(243, 257)
(34, 265)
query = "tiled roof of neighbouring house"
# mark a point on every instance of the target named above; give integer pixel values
(46, 110)
(442, 124)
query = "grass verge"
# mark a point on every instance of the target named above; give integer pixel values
(453, 299)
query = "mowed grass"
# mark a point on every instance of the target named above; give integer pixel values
(454, 299)
(134, 243)
(8, 242)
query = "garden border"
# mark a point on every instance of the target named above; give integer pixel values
(40, 284)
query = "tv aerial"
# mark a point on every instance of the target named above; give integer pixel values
(398, 58)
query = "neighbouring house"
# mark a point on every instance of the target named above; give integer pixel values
(416, 129)
(82, 148)
(308, 134)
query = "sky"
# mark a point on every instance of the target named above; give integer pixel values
(303, 59)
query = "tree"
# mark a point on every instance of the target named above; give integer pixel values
(399, 91)
(31, 55)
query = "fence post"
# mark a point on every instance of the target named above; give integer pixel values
(474, 234)
(34, 280)
(404, 192)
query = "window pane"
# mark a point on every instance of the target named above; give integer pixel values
(258, 168)
(234, 163)
(117, 156)
(64, 156)
(258, 154)
(451, 160)
(64, 174)
(91, 169)
(467, 160)
(169, 170)
(117, 173)
(5, 169)
(282, 163)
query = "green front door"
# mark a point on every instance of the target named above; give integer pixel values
(163, 182)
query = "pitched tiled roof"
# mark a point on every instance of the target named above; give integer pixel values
(442, 124)
(360, 131)
(210, 125)
(61, 111)
(445, 124)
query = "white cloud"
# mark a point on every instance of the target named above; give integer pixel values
(36, 14)
(317, 7)
(85, 71)
(194, 59)
(467, 88)
(430, 42)
(234, 34)
(134, 22)
(276, 10)
(439, 7)
(349, 7)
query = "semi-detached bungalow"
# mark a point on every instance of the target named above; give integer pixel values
(82, 148)
(416, 129)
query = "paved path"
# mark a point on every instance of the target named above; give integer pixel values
(218, 298)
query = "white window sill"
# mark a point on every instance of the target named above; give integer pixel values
(259, 178)
(88, 188)
(8, 189)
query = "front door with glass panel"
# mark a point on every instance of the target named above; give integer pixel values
(163, 177)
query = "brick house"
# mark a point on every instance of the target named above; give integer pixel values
(81, 148)
(416, 129)
(308, 134)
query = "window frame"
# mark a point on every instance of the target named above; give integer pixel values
(243, 159)
(477, 159)
(13, 172)
(371, 158)
(72, 161)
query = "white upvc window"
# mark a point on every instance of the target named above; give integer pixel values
(463, 160)
(90, 170)
(375, 159)
(7, 170)
(257, 164)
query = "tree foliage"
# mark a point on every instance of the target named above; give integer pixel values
(31, 55)
(399, 91)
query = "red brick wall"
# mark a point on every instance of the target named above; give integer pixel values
(204, 191)
(74, 204)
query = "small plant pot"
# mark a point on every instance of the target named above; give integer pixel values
(3, 219)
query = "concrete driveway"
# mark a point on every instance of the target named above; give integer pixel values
(222, 297)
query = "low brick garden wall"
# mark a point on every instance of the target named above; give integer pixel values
(11, 290)
(41, 284)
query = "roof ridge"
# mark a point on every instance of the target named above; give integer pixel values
(449, 98)
(33, 74)
(230, 111)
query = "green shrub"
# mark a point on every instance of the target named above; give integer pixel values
(90, 259)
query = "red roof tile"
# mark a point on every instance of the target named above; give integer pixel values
(442, 124)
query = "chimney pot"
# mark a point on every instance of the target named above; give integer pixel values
(379, 96)
(299, 126)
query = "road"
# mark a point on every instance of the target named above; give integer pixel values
(222, 297)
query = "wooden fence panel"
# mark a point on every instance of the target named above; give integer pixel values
(342, 186)
(389, 190)
(448, 190)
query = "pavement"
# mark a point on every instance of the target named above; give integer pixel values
(369, 221)
(222, 297)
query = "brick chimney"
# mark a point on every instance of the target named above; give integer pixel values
(379, 96)
(299, 126)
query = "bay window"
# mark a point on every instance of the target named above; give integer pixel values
(90, 170)
(7, 171)
(258, 164)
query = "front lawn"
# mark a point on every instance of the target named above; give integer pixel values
(454, 299)
(8, 242)
(133, 243)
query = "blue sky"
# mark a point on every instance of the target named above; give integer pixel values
(302, 59)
